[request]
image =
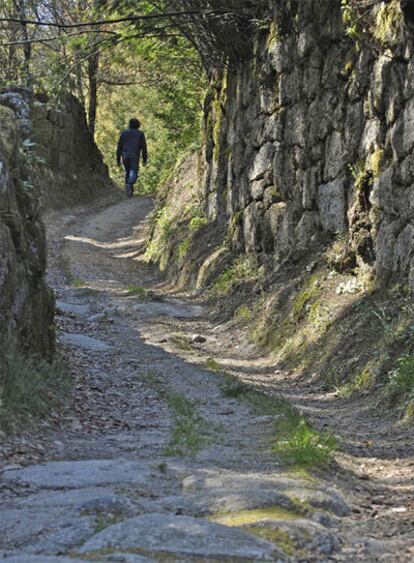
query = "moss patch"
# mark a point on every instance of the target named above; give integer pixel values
(388, 23)
(275, 535)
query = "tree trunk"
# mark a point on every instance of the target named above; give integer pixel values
(27, 47)
(93, 67)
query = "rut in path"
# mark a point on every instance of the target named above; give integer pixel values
(154, 461)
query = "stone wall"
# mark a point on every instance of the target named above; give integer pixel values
(26, 303)
(47, 160)
(74, 171)
(312, 137)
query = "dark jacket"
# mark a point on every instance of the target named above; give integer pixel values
(132, 144)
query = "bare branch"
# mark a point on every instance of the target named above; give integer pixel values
(131, 19)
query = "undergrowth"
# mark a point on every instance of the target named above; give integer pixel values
(137, 290)
(399, 388)
(189, 431)
(244, 269)
(187, 435)
(30, 387)
(296, 442)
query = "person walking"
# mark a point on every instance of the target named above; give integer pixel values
(131, 146)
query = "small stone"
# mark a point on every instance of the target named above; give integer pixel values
(198, 339)
(84, 342)
(65, 308)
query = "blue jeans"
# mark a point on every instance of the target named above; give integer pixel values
(131, 168)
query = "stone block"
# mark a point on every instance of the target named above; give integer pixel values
(290, 87)
(402, 133)
(262, 162)
(312, 179)
(307, 227)
(336, 157)
(295, 131)
(252, 218)
(332, 206)
(371, 138)
(273, 220)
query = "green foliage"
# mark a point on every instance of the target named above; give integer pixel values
(362, 381)
(30, 387)
(244, 269)
(76, 282)
(212, 364)
(388, 23)
(296, 442)
(163, 227)
(103, 521)
(233, 388)
(243, 313)
(183, 248)
(138, 290)
(400, 385)
(382, 25)
(308, 293)
(166, 97)
(301, 445)
(351, 18)
(197, 223)
(188, 432)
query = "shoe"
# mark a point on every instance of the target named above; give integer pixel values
(129, 190)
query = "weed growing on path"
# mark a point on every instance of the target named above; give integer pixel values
(299, 444)
(103, 521)
(189, 432)
(137, 290)
(77, 283)
(29, 387)
(212, 364)
(296, 443)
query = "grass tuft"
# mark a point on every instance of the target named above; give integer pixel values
(30, 388)
(76, 282)
(212, 364)
(296, 442)
(137, 290)
(188, 435)
(233, 388)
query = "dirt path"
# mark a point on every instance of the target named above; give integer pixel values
(153, 460)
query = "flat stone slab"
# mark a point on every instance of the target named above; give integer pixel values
(127, 558)
(182, 536)
(84, 342)
(72, 308)
(79, 474)
(26, 558)
(48, 532)
(231, 491)
(72, 498)
(172, 308)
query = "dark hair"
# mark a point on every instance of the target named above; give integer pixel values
(134, 123)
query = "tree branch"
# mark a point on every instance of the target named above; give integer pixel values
(130, 19)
